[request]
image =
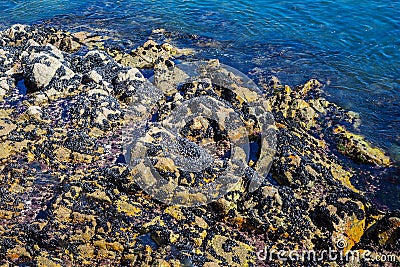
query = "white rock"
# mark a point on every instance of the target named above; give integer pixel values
(31, 43)
(102, 55)
(41, 99)
(97, 91)
(42, 73)
(95, 76)
(34, 112)
(57, 52)
(129, 75)
(14, 29)
(2, 93)
(4, 84)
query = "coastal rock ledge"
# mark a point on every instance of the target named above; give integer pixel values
(68, 197)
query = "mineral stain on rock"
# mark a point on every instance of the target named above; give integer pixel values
(68, 199)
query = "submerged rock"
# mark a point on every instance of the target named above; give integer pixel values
(148, 55)
(69, 198)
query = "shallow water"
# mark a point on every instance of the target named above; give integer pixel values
(351, 46)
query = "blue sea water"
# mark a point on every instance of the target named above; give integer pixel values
(352, 46)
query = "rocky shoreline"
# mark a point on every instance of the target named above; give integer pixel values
(69, 199)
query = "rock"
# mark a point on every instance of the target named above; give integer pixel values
(100, 195)
(158, 31)
(20, 35)
(94, 77)
(311, 85)
(126, 84)
(167, 76)
(4, 86)
(2, 93)
(356, 147)
(232, 252)
(6, 127)
(147, 55)
(392, 232)
(45, 262)
(16, 34)
(43, 73)
(92, 41)
(69, 198)
(382, 237)
(64, 41)
(128, 208)
(35, 112)
(45, 70)
(133, 89)
(176, 52)
(144, 56)
(18, 253)
(95, 110)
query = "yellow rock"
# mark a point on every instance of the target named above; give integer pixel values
(6, 128)
(176, 212)
(91, 40)
(386, 236)
(357, 147)
(81, 158)
(201, 222)
(62, 213)
(211, 264)
(127, 208)
(166, 165)
(18, 252)
(45, 262)
(30, 156)
(96, 132)
(174, 51)
(242, 251)
(8, 148)
(86, 251)
(62, 154)
(100, 195)
(342, 176)
(115, 246)
(308, 86)
(173, 238)
(160, 263)
(350, 230)
(102, 244)
(5, 113)
(82, 218)
(16, 188)
(106, 254)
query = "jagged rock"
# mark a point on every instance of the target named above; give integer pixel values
(91, 40)
(167, 77)
(95, 109)
(69, 199)
(35, 112)
(147, 55)
(19, 35)
(384, 234)
(356, 147)
(45, 70)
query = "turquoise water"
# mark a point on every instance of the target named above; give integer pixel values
(352, 46)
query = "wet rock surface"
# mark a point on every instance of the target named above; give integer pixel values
(68, 197)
